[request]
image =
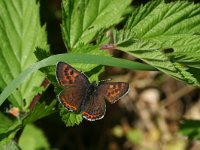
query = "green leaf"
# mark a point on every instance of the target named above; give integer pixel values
(195, 72)
(20, 33)
(69, 118)
(190, 128)
(9, 145)
(123, 37)
(71, 58)
(6, 123)
(157, 26)
(49, 71)
(39, 111)
(91, 69)
(41, 53)
(134, 136)
(9, 127)
(33, 138)
(83, 20)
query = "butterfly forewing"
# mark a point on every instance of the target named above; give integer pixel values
(113, 91)
(68, 76)
(72, 98)
(94, 108)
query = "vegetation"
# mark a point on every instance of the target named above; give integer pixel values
(164, 36)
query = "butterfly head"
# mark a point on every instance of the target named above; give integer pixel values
(92, 88)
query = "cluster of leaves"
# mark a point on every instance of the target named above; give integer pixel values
(164, 35)
(158, 26)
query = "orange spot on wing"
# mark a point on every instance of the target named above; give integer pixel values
(89, 115)
(117, 86)
(75, 75)
(111, 86)
(69, 72)
(122, 85)
(67, 104)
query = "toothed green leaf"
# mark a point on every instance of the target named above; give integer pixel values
(157, 26)
(39, 111)
(20, 34)
(69, 118)
(83, 20)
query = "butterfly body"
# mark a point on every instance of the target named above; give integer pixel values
(81, 96)
(90, 91)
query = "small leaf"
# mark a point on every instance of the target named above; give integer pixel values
(50, 70)
(69, 118)
(8, 127)
(39, 111)
(39, 90)
(195, 72)
(6, 123)
(190, 128)
(9, 145)
(189, 78)
(34, 137)
(134, 136)
(41, 53)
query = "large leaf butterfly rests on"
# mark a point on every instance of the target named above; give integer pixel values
(79, 95)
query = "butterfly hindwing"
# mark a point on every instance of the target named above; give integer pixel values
(113, 91)
(68, 76)
(94, 108)
(72, 98)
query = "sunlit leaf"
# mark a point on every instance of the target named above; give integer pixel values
(40, 111)
(83, 20)
(157, 26)
(20, 33)
(8, 127)
(9, 145)
(34, 137)
(70, 118)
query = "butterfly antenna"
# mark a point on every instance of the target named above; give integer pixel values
(109, 79)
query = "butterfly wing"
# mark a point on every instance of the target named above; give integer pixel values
(75, 84)
(68, 76)
(113, 91)
(94, 108)
(72, 98)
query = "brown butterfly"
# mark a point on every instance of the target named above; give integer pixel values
(79, 95)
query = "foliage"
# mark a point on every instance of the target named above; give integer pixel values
(37, 140)
(20, 33)
(70, 118)
(190, 128)
(164, 35)
(158, 26)
(10, 144)
(83, 20)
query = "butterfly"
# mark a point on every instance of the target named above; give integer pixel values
(81, 96)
